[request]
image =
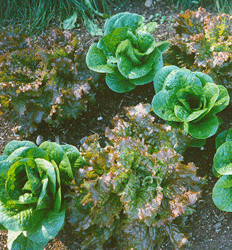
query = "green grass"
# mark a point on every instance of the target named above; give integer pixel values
(35, 15)
(215, 5)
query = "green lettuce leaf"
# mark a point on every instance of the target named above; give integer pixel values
(222, 193)
(162, 45)
(57, 154)
(180, 78)
(157, 65)
(203, 78)
(223, 159)
(119, 83)
(130, 70)
(126, 19)
(13, 145)
(187, 116)
(125, 49)
(145, 42)
(161, 76)
(224, 136)
(47, 228)
(97, 60)
(18, 241)
(27, 152)
(198, 130)
(118, 36)
(19, 220)
(163, 107)
(222, 100)
(74, 156)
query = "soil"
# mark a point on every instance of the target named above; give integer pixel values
(209, 227)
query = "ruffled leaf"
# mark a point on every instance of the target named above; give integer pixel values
(134, 187)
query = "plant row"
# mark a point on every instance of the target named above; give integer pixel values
(135, 191)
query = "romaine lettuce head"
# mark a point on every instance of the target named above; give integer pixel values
(31, 181)
(189, 100)
(127, 52)
(222, 167)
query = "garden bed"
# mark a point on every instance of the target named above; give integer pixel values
(208, 227)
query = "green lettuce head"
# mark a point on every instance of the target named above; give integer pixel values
(189, 100)
(31, 183)
(222, 168)
(127, 52)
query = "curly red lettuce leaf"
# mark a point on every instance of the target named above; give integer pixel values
(203, 43)
(132, 194)
(41, 80)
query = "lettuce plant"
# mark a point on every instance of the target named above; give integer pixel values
(141, 125)
(222, 192)
(203, 43)
(127, 52)
(135, 192)
(41, 80)
(32, 181)
(189, 100)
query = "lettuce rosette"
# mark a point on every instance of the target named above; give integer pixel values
(127, 52)
(31, 189)
(189, 100)
(222, 168)
(134, 193)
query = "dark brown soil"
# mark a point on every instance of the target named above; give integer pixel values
(208, 228)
